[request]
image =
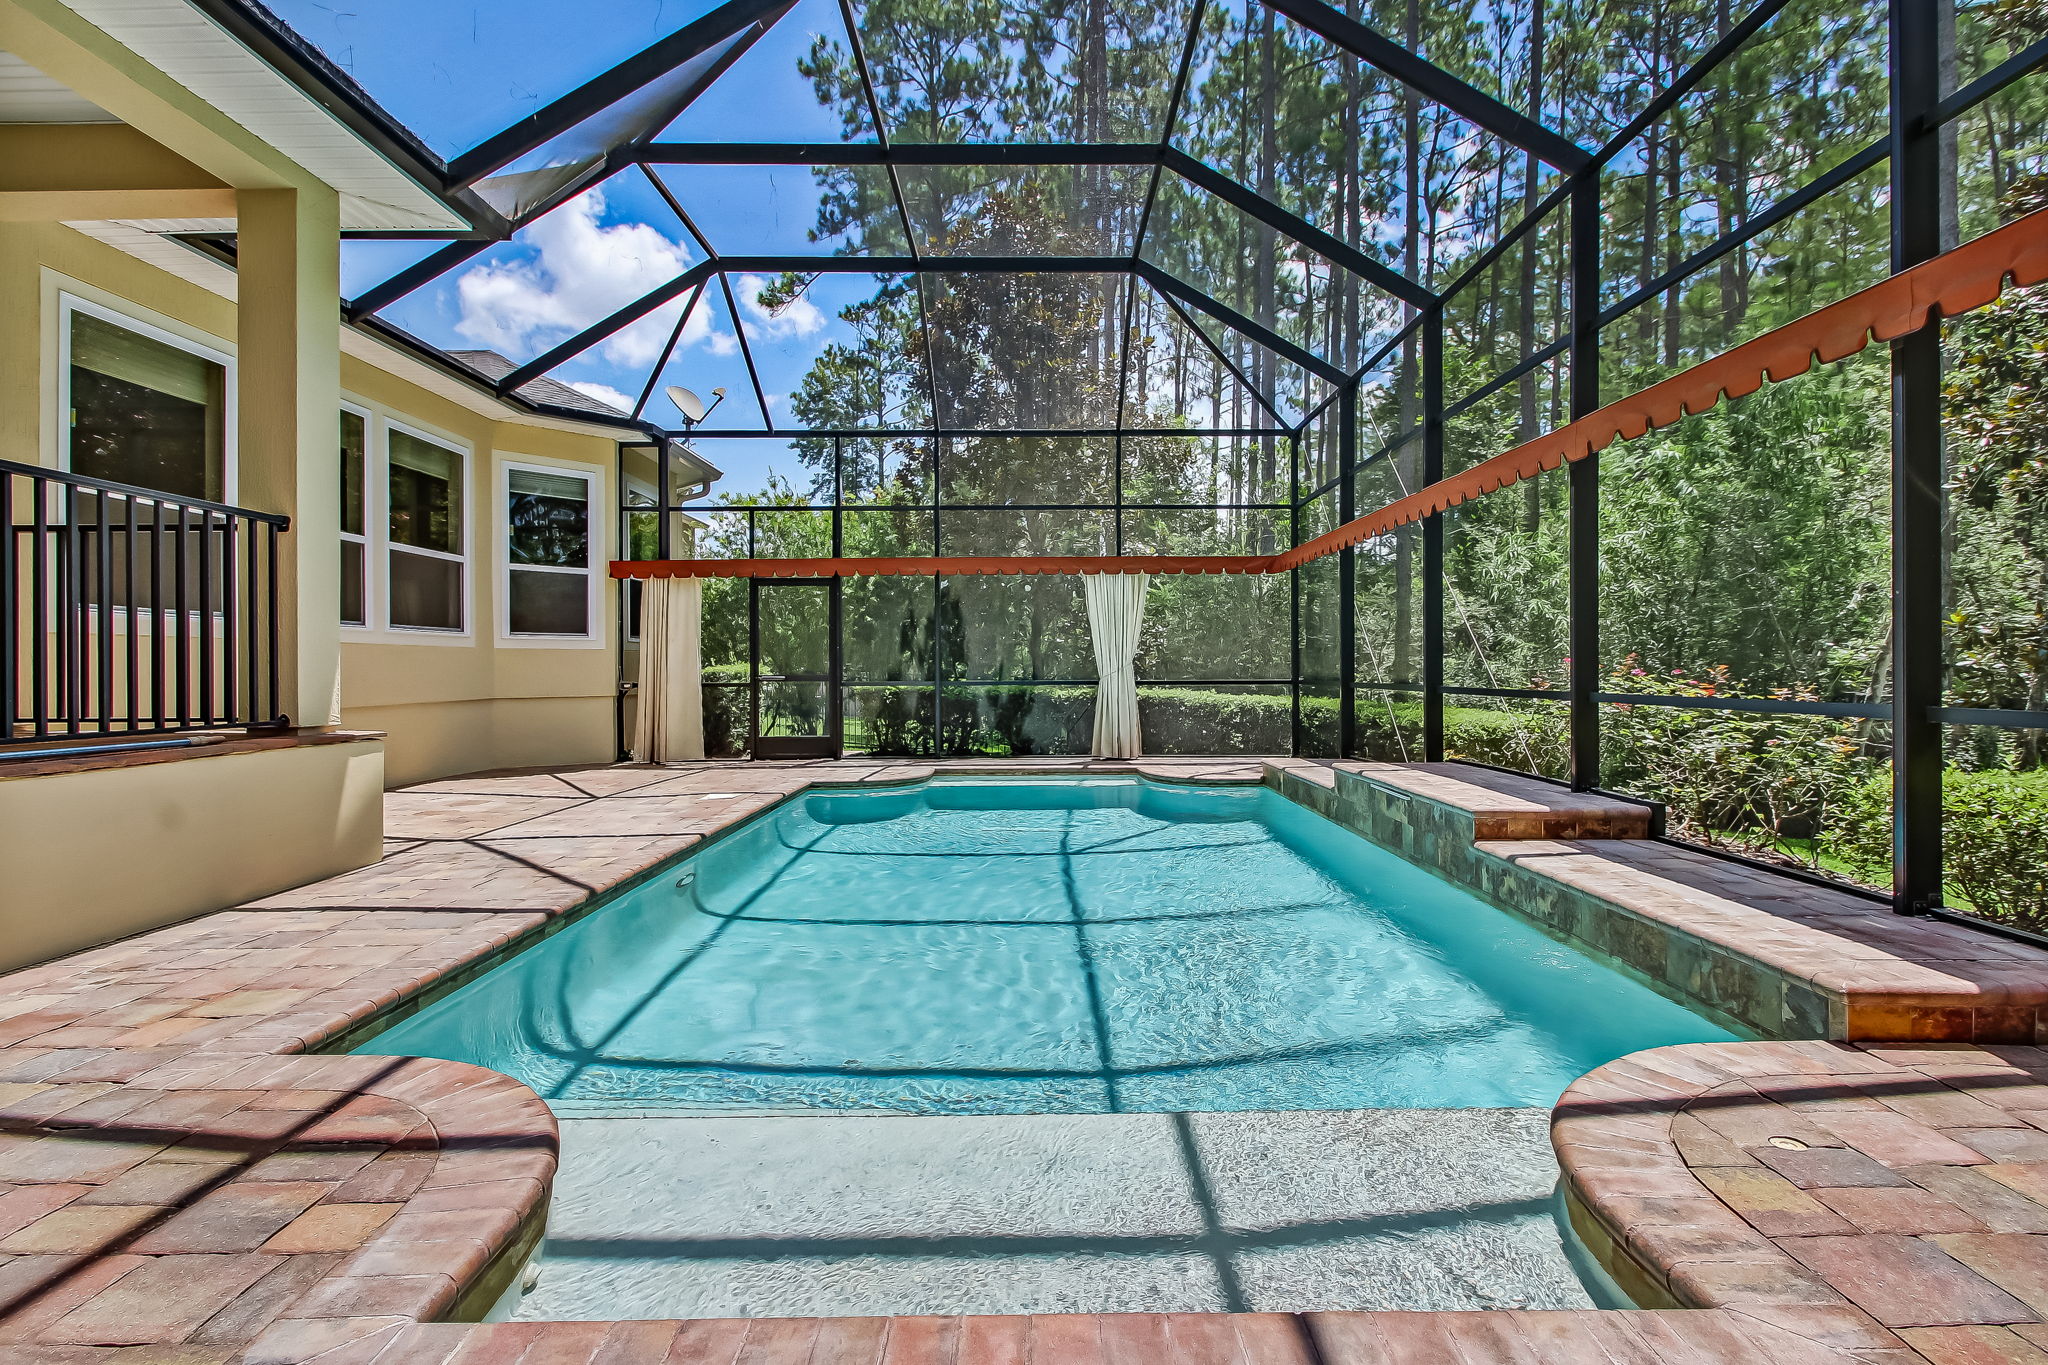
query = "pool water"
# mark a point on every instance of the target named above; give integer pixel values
(1074, 945)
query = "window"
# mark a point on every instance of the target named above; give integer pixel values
(549, 584)
(425, 484)
(146, 408)
(355, 545)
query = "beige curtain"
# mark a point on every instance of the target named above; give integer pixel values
(670, 724)
(1116, 612)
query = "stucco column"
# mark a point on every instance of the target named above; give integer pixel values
(288, 372)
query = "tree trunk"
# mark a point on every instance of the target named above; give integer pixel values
(1525, 292)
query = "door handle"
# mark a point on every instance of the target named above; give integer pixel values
(771, 677)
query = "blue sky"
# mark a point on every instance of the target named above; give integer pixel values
(456, 73)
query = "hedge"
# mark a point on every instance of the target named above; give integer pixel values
(1023, 721)
(1994, 841)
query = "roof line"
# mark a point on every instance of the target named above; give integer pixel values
(430, 354)
(883, 151)
(1173, 306)
(597, 331)
(607, 88)
(1330, 248)
(281, 48)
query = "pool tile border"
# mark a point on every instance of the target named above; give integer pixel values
(123, 1068)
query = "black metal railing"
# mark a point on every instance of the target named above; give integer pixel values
(130, 611)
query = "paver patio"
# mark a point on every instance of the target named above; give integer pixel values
(182, 1181)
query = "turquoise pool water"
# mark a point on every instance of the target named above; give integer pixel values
(1046, 946)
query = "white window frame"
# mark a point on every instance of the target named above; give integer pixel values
(372, 507)
(69, 305)
(386, 548)
(593, 636)
(625, 508)
(139, 619)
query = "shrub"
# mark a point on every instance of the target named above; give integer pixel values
(1505, 739)
(727, 718)
(1021, 721)
(1770, 784)
(1188, 720)
(1994, 841)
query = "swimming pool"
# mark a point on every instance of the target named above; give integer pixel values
(1072, 945)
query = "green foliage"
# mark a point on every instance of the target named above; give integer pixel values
(1764, 783)
(1756, 536)
(1019, 721)
(1997, 504)
(1392, 733)
(1995, 837)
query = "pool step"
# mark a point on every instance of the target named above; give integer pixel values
(1495, 805)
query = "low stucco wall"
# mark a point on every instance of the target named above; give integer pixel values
(100, 854)
(429, 740)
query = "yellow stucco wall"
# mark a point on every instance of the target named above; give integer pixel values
(449, 704)
(93, 856)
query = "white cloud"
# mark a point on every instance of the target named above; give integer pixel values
(582, 270)
(799, 318)
(603, 393)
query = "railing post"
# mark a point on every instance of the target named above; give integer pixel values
(1584, 476)
(274, 710)
(1917, 569)
(128, 613)
(158, 656)
(179, 617)
(70, 599)
(103, 605)
(230, 623)
(10, 598)
(39, 611)
(208, 712)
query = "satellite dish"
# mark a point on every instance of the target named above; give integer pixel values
(687, 403)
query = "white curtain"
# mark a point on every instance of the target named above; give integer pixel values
(1116, 611)
(670, 723)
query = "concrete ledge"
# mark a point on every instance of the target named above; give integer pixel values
(1507, 806)
(101, 847)
(80, 758)
(1786, 958)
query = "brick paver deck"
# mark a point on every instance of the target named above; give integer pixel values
(1851, 1191)
(179, 1182)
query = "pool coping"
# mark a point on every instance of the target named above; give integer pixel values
(222, 1009)
(1858, 1190)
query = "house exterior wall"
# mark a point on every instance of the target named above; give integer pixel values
(449, 703)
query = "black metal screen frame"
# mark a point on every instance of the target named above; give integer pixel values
(1910, 150)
